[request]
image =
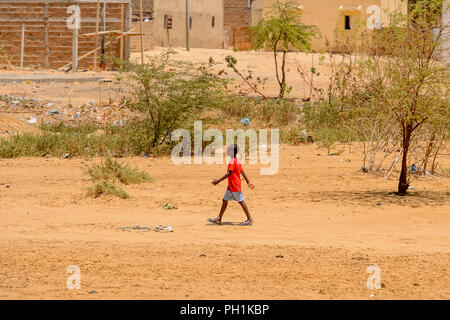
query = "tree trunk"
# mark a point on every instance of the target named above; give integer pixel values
(403, 183)
(283, 76)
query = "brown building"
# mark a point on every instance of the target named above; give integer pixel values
(239, 16)
(48, 38)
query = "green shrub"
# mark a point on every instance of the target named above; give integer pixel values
(107, 188)
(111, 170)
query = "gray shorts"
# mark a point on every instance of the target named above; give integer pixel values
(236, 196)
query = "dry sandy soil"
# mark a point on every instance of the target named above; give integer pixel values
(324, 219)
(260, 63)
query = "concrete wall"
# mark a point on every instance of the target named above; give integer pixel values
(135, 41)
(202, 34)
(15, 13)
(328, 17)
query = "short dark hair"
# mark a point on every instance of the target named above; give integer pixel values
(235, 150)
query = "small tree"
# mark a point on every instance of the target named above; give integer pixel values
(170, 92)
(282, 31)
(396, 82)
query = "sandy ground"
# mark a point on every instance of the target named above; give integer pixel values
(260, 63)
(325, 220)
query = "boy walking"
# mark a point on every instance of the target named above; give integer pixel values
(234, 186)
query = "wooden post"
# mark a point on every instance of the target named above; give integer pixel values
(47, 46)
(142, 31)
(103, 22)
(94, 66)
(22, 46)
(75, 50)
(188, 16)
(122, 28)
(127, 27)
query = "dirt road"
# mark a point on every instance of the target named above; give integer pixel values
(320, 223)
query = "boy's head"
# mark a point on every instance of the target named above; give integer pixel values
(232, 150)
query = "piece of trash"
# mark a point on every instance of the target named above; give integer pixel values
(32, 121)
(136, 228)
(411, 188)
(245, 121)
(415, 169)
(164, 229)
(279, 256)
(202, 255)
(66, 155)
(167, 206)
(92, 292)
(372, 296)
(364, 169)
(379, 203)
(54, 111)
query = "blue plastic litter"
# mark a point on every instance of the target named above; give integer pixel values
(245, 121)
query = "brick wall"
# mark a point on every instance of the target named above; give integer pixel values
(236, 13)
(13, 15)
(147, 7)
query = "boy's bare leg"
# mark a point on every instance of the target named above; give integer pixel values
(247, 213)
(222, 210)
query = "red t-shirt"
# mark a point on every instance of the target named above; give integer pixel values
(234, 179)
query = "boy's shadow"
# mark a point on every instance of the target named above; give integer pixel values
(236, 224)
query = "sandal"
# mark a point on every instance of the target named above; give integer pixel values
(246, 223)
(214, 221)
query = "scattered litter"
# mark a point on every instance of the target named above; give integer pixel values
(245, 121)
(66, 155)
(92, 292)
(167, 206)
(279, 256)
(139, 228)
(411, 188)
(164, 229)
(415, 169)
(54, 111)
(32, 121)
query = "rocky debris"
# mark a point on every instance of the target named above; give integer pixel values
(117, 114)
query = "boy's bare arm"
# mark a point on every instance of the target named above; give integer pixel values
(217, 181)
(250, 185)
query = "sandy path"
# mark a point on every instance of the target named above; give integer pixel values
(318, 212)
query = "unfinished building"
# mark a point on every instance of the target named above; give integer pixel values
(54, 33)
